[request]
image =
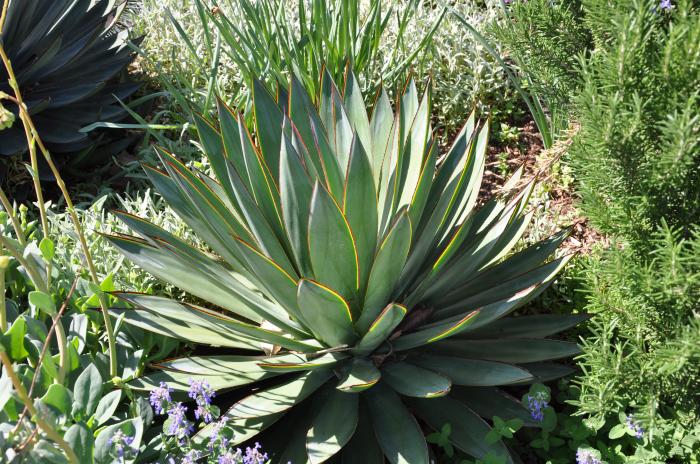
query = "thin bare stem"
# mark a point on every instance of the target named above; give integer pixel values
(42, 424)
(4, 263)
(71, 211)
(13, 217)
(5, 4)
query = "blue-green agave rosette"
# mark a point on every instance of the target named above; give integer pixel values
(356, 292)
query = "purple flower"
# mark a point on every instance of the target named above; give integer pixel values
(204, 413)
(251, 456)
(635, 427)
(230, 458)
(666, 5)
(160, 398)
(120, 441)
(179, 425)
(536, 403)
(201, 392)
(216, 434)
(191, 457)
(254, 456)
(586, 457)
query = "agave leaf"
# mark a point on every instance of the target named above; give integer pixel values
(436, 332)
(219, 147)
(443, 277)
(223, 290)
(333, 426)
(264, 187)
(310, 128)
(468, 429)
(215, 365)
(468, 191)
(363, 447)
(414, 149)
(489, 401)
(358, 375)
(451, 167)
(160, 308)
(413, 381)
(336, 121)
(425, 180)
(360, 208)
(520, 288)
(380, 128)
(214, 217)
(279, 284)
(294, 362)
(510, 350)
(515, 265)
(335, 171)
(397, 431)
(356, 111)
(546, 372)
(472, 372)
(180, 203)
(294, 428)
(438, 211)
(203, 277)
(268, 123)
(232, 147)
(509, 239)
(243, 428)
(280, 398)
(332, 247)
(381, 328)
(385, 273)
(326, 313)
(185, 331)
(258, 225)
(222, 372)
(539, 326)
(295, 193)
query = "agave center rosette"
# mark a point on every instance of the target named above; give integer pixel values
(355, 290)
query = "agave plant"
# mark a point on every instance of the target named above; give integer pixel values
(65, 55)
(356, 292)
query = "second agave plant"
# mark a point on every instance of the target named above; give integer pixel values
(357, 296)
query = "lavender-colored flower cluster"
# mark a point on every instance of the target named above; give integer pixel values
(120, 441)
(586, 457)
(160, 398)
(179, 427)
(635, 427)
(202, 393)
(666, 5)
(536, 404)
(251, 456)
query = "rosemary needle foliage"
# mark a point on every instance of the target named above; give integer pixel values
(357, 289)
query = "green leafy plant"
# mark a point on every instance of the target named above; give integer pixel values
(267, 39)
(68, 57)
(350, 270)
